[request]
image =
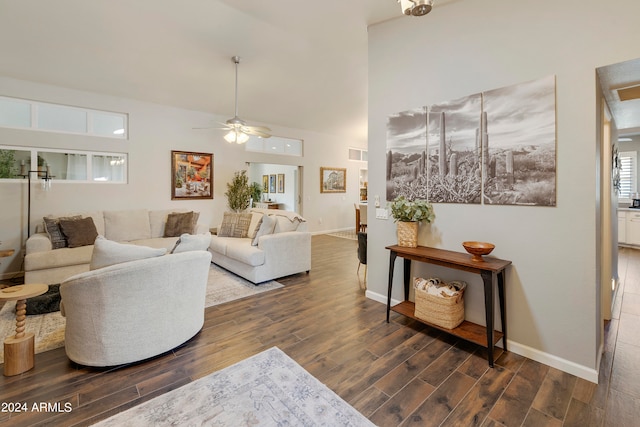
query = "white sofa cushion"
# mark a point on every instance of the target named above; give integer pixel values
(240, 249)
(284, 223)
(192, 242)
(107, 252)
(125, 226)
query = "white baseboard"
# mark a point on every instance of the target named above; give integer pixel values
(526, 351)
(336, 230)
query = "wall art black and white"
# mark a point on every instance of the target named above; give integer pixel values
(454, 166)
(406, 154)
(519, 161)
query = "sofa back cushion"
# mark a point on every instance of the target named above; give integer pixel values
(107, 252)
(127, 225)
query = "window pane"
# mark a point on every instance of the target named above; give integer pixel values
(109, 168)
(64, 119)
(108, 125)
(354, 154)
(63, 166)
(12, 161)
(15, 113)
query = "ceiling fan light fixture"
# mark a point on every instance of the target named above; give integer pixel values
(416, 7)
(236, 136)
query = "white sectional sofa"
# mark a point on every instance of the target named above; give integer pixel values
(281, 247)
(44, 264)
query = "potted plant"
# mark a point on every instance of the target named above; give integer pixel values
(238, 192)
(408, 214)
(256, 192)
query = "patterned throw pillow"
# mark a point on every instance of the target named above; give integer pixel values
(52, 227)
(235, 224)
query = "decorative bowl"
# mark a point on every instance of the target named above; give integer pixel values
(477, 249)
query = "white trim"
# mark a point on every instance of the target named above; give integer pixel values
(564, 365)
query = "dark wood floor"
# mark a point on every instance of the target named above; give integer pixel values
(397, 373)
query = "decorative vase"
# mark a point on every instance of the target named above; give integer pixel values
(408, 234)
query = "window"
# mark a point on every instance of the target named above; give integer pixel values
(358, 154)
(628, 174)
(63, 165)
(27, 114)
(275, 145)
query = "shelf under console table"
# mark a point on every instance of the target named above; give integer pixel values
(491, 270)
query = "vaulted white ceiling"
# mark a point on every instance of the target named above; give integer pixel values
(304, 64)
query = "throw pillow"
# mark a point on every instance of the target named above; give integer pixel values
(79, 232)
(179, 224)
(267, 226)
(52, 227)
(235, 224)
(107, 252)
(256, 222)
(192, 242)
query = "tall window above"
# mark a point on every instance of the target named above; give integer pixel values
(358, 154)
(275, 145)
(628, 174)
(26, 114)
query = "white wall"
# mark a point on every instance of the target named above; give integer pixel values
(286, 199)
(466, 47)
(155, 130)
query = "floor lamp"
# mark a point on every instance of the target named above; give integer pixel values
(45, 175)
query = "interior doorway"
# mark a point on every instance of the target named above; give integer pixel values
(281, 184)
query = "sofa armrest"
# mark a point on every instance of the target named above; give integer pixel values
(292, 247)
(38, 242)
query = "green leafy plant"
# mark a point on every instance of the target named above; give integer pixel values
(403, 209)
(238, 192)
(7, 164)
(256, 191)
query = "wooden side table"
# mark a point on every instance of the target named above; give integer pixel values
(19, 348)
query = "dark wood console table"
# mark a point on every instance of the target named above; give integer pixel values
(489, 269)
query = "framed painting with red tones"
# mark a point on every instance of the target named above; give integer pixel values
(191, 175)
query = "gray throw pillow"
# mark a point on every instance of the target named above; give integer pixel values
(79, 232)
(52, 227)
(192, 242)
(107, 252)
(267, 227)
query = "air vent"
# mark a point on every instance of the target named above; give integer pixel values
(629, 93)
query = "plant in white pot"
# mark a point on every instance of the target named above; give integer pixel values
(408, 214)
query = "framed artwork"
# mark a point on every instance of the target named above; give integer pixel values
(333, 180)
(280, 183)
(191, 175)
(265, 183)
(272, 183)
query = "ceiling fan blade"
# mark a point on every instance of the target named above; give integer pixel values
(260, 131)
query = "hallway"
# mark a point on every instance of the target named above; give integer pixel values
(619, 375)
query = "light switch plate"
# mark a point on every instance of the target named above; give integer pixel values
(382, 213)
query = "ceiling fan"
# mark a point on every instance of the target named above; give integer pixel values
(239, 131)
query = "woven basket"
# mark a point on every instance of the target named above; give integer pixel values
(408, 234)
(441, 310)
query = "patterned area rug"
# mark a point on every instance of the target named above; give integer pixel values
(222, 287)
(347, 234)
(268, 389)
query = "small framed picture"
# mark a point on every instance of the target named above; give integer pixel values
(191, 175)
(333, 180)
(272, 183)
(280, 183)
(265, 183)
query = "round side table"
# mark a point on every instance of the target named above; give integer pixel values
(19, 348)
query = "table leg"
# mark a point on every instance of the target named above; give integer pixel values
(487, 278)
(392, 260)
(503, 311)
(19, 349)
(406, 278)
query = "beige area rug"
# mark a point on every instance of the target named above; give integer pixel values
(347, 234)
(222, 287)
(268, 389)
